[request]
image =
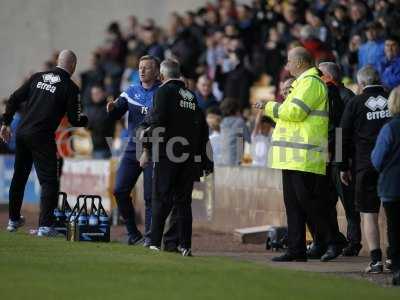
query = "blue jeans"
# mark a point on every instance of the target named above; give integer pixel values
(127, 176)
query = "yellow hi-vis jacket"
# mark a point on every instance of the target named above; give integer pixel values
(300, 138)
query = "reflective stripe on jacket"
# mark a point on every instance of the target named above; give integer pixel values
(300, 138)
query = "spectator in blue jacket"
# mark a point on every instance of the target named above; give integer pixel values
(389, 68)
(372, 52)
(386, 159)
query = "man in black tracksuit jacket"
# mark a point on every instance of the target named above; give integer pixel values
(180, 156)
(362, 120)
(48, 96)
(339, 94)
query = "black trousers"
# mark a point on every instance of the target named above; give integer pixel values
(392, 210)
(171, 232)
(41, 151)
(172, 189)
(331, 200)
(347, 197)
(305, 196)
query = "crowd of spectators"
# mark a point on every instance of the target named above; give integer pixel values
(226, 47)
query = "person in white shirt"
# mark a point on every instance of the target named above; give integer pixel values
(261, 140)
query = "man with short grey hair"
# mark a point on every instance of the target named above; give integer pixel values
(339, 95)
(368, 76)
(333, 74)
(170, 69)
(362, 120)
(179, 136)
(332, 69)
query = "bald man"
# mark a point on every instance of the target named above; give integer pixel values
(48, 96)
(299, 149)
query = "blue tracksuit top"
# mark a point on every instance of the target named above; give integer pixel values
(138, 101)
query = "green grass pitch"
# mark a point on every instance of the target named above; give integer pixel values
(34, 268)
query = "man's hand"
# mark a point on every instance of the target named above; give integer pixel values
(84, 121)
(144, 159)
(346, 177)
(110, 104)
(260, 104)
(5, 133)
(208, 172)
(141, 133)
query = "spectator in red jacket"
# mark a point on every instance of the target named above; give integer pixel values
(318, 49)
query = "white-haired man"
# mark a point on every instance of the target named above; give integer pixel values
(362, 120)
(179, 156)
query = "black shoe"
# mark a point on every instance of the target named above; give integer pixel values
(147, 242)
(388, 265)
(374, 268)
(288, 258)
(186, 252)
(352, 250)
(331, 253)
(315, 252)
(135, 240)
(396, 278)
(171, 247)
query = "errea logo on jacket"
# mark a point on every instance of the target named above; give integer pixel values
(187, 99)
(186, 95)
(374, 103)
(49, 79)
(377, 105)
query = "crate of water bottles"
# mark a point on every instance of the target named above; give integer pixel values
(88, 220)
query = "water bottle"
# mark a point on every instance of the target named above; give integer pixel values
(83, 216)
(93, 218)
(67, 210)
(72, 228)
(82, 219)
(72, 218)
(103, 219)
(67, 214)
(59, 215)
(104, 222)
(74, 212)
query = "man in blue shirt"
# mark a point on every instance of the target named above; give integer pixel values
(372, 52)
(389, 68)
(137, 100)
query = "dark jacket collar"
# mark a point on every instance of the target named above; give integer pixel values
(373, 88)
(174, 81)
(61, 71)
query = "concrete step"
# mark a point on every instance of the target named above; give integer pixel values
(251, 235)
